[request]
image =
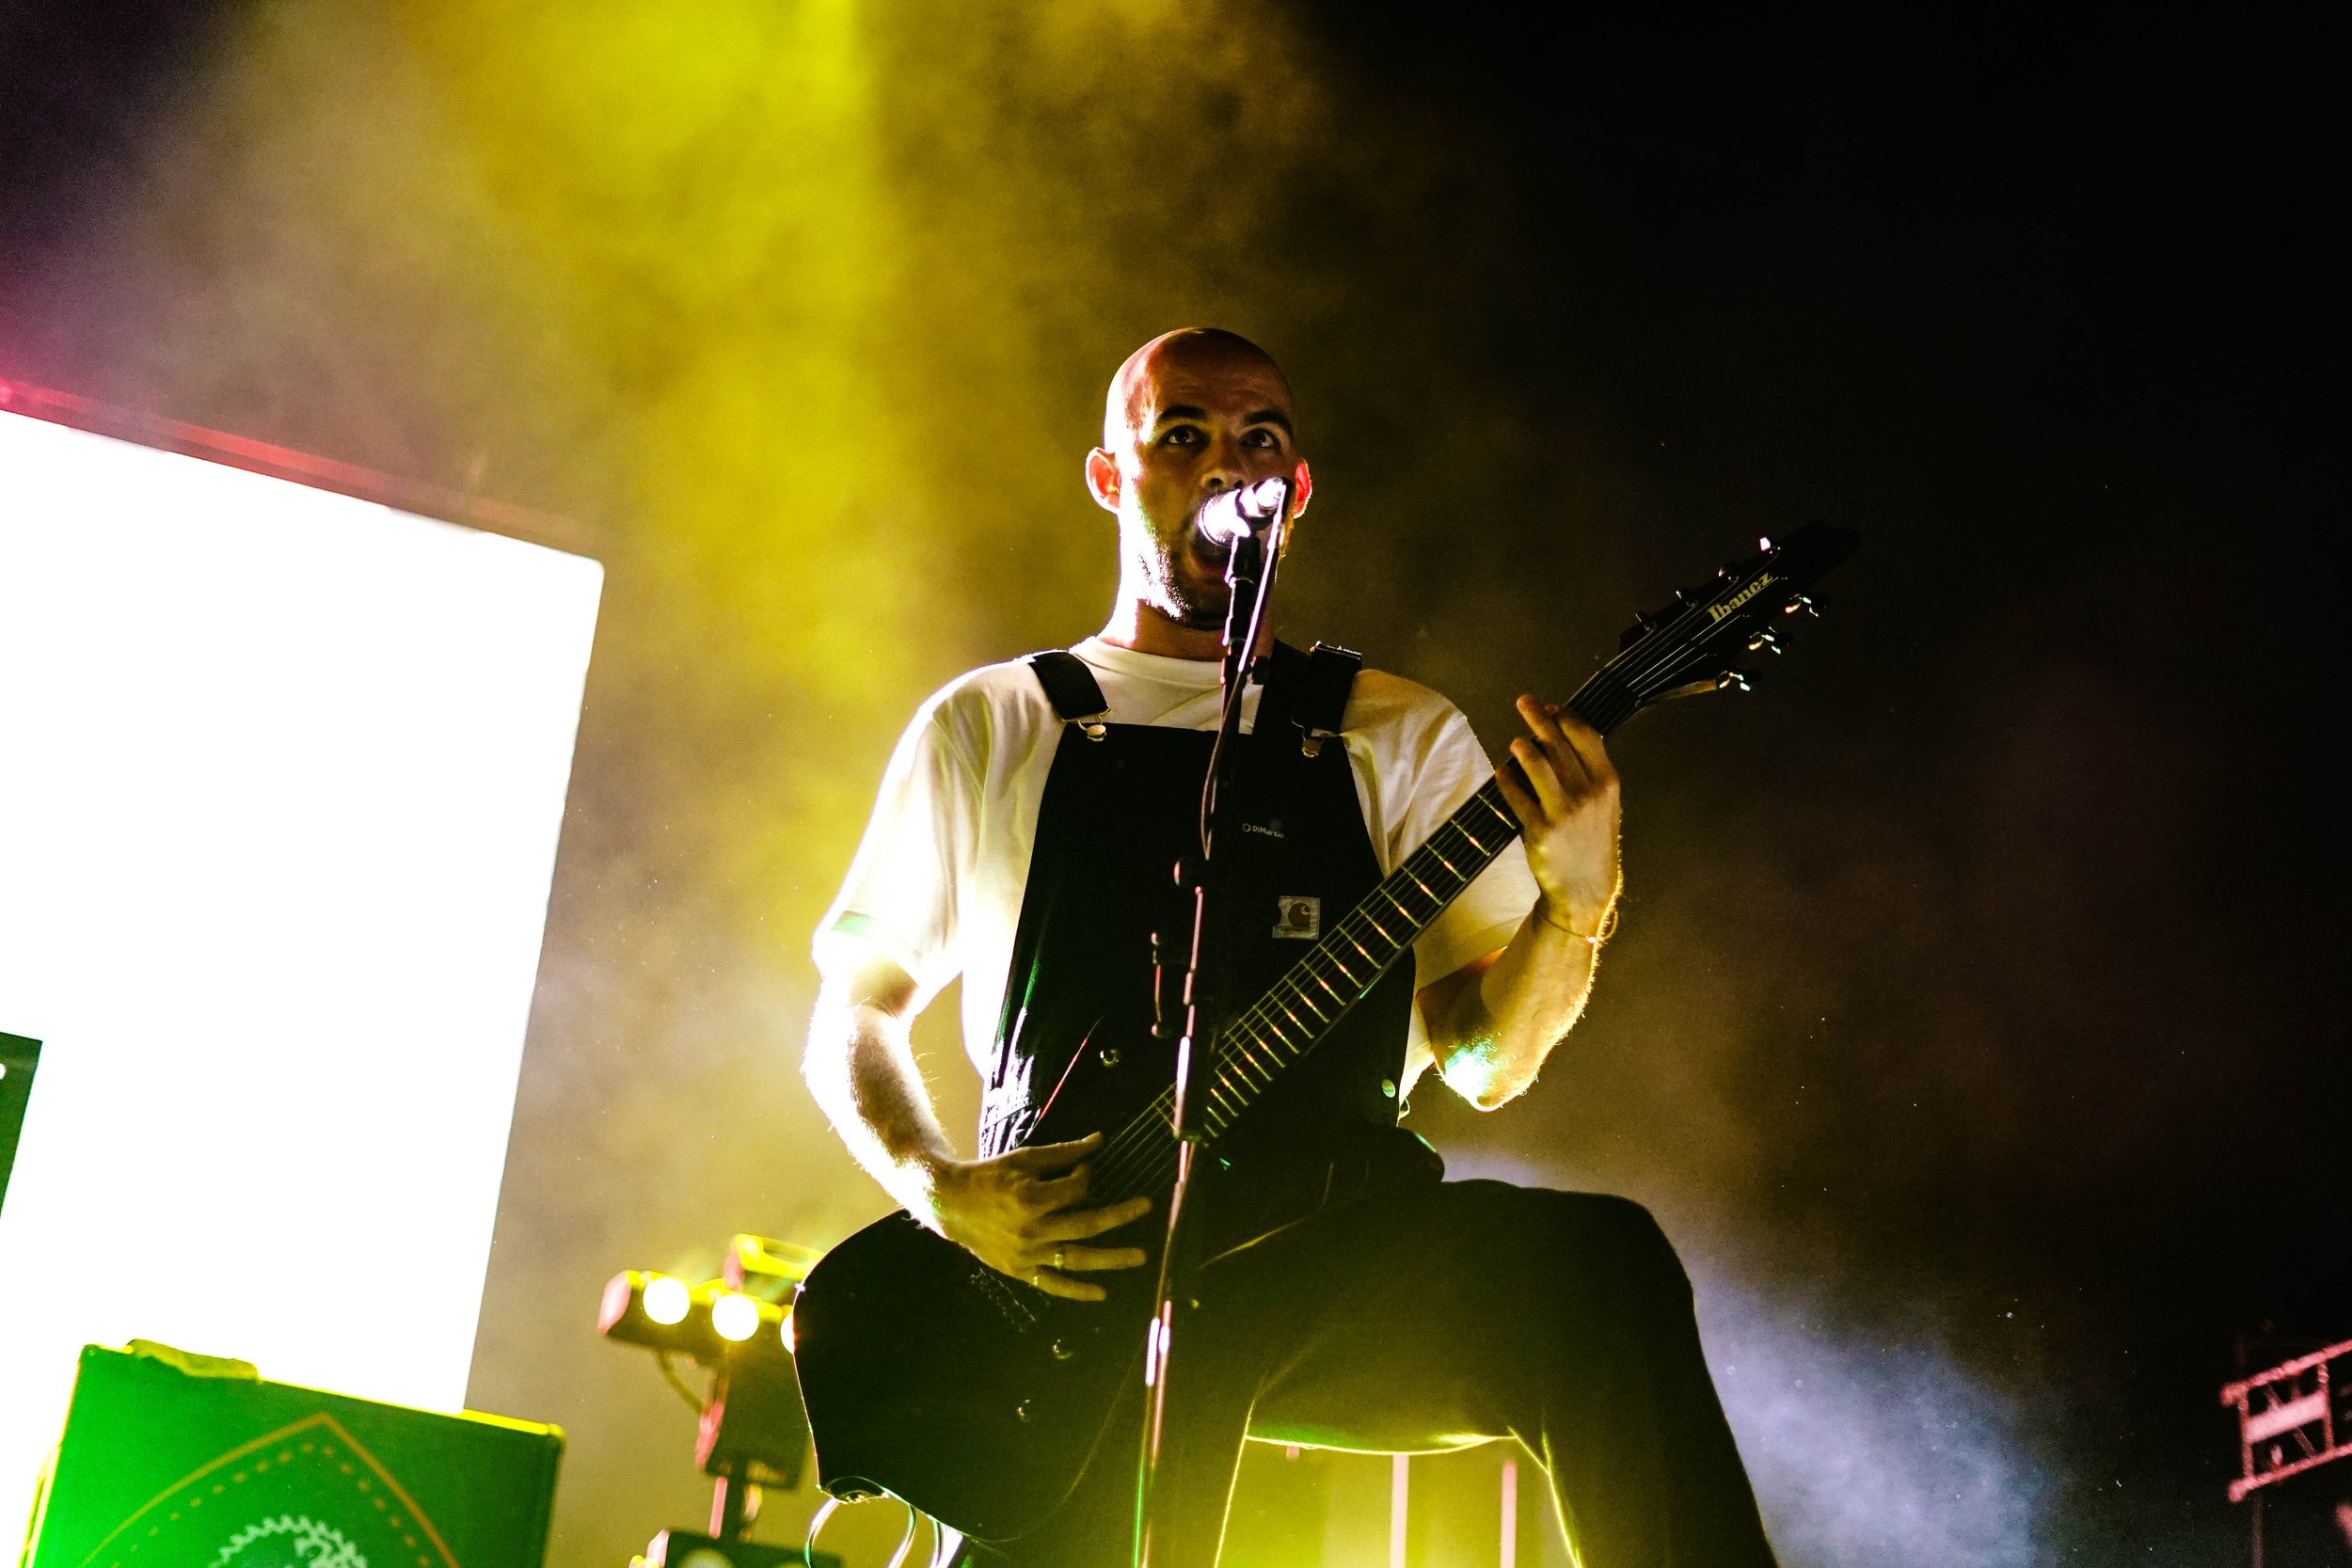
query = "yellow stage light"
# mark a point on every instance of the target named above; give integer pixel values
(735, 1316)
(667, 1300)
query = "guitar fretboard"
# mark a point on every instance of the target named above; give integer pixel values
(1340, 971)
(1685, 648)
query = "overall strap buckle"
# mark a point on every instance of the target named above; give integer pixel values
(1317, 685)
(1071, 687)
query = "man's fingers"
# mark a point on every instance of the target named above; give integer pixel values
(1050, 1157)
(1089, 1259)
(1542, 775)
(1515, 795)
(1560, 727)
(1057, 1285)
(1059, 1192)
(1092, 1222)
(1544, 722)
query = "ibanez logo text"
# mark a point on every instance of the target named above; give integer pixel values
(1716, 612)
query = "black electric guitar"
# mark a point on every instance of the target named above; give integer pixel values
(980, 1399)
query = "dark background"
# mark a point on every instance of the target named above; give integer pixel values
(1977, 1024)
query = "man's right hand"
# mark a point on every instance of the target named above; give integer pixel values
(1019, 1215)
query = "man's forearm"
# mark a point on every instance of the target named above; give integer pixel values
(861, 1068)
(1499, 1025)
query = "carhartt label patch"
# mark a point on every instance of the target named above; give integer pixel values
(1299, 918)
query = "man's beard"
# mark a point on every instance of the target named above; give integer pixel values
(1195, 605)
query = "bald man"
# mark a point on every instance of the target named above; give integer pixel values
(1021, 842)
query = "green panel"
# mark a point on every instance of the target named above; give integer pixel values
(18, 1058)
(161, 1469)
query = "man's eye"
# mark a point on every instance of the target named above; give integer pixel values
(1183, 436)
(1259, 438)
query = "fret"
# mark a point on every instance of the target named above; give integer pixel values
(1287, 1010)
(1453, 825)
(1242, 1042)
(1306, 997)
(1475, 843)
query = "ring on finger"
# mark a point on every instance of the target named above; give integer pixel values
(1057, 1256)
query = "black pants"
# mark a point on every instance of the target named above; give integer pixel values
(1437, 1316)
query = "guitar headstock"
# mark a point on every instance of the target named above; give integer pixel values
(1696, 643)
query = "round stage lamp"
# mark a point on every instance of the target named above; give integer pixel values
(667, 1300)
(735, 1316)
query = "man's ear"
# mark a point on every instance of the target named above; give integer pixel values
(1302, 490)
(1102, 479)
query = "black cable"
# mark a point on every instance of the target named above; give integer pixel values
(669, 1372)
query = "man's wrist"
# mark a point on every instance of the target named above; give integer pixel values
(1586, 923)
(920, 1177)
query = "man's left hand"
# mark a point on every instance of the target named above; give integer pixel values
(1560, 786)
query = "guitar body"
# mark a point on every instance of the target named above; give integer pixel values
(974, 1397)
(981, 1400)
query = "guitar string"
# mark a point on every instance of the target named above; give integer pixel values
(1256, 1030)
(1146, 1150)
(1143, 1148)
(1144, 1143)
(1134, 1161)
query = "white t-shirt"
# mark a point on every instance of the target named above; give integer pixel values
(937, 883)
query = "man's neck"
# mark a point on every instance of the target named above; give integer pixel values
(1134, 625)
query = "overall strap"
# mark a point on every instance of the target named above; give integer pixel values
(1310, 690)
(1071, 687)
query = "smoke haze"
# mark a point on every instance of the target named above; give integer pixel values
(1958, 963)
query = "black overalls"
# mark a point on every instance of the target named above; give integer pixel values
(1424, 1315)
(1120, 808)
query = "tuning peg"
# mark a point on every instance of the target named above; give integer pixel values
(1765, 641)
(1807, 603)
(1735, 680)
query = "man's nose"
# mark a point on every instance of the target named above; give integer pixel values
(1225, 467)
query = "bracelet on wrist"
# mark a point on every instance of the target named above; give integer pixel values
(1596, 936)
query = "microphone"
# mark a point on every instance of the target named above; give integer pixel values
(1229, 517)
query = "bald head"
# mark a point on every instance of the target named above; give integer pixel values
(1190, 414)
(1134, 402)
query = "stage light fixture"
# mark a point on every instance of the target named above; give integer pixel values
(667, 1300)
(714, 1321)
(735, 1316)
(661, 1313)
(753, 1431)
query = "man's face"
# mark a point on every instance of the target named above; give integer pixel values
(1196, 421)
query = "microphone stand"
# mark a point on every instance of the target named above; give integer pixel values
(1250, 570)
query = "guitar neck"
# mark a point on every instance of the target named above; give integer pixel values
(1263, 1040)
(1281, 1026)
(1685, 648)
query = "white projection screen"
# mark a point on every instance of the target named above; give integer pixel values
(280, 778)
